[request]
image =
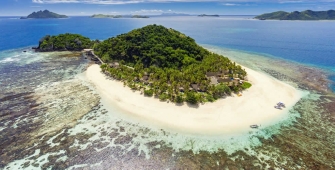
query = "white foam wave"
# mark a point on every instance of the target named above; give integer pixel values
(17, 56)
(10, 59)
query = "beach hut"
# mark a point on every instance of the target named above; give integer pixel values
(145, 78)
(114, 65)
(213, 80)
(224, 80)
(210, 74)
(195, 87)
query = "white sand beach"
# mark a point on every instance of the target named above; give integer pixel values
(231, 115)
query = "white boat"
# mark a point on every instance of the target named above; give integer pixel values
(254, 126)
(281, 104)
(278, 107)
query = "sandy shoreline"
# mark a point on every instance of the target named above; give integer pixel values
(226, 116)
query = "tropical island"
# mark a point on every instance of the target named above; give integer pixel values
(117, 16)
(170, 65)
(161, 62)
(205, 15)
(296, 15)
(43, 15)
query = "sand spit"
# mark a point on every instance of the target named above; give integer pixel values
(232, 115)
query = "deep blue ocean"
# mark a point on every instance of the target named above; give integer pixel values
(306, 42)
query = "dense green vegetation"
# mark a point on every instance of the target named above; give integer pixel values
(168, 64)
(304, 15)
(44, 14)
(62, 42)
(246, 85)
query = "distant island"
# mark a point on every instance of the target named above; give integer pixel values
(205, 15)
(117, 16)
(296, 15)
(44, 14)
(105, 16)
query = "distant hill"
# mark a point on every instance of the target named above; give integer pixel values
(117, 16)
(205, 15)
(296, 15)
(139, 16)
(44, 14)
(105, 16)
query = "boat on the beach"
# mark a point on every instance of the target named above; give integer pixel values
(280, 105)
(254, 126)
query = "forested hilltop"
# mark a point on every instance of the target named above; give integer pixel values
(44, 14)
(304, 15)
(64, 42)
(170, 65)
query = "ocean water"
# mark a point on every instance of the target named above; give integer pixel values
(38, 90)
(306, 42)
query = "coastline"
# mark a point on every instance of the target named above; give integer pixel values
(232, 115)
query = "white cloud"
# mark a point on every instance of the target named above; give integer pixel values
(225, 2)
(283, 2)
(230, 4)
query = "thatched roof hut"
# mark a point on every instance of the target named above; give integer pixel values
(145, 78)
(210, 74)
(224, 80)
(195, 87)
(114, 65)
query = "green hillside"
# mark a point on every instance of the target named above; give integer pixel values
(304, 15)
(62, 42)
(45, 14)
(168, 64)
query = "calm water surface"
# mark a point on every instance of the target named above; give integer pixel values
(38, 92)
(308, 42)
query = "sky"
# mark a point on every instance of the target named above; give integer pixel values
(157, 7)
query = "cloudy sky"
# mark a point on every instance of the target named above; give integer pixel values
(155, 7)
